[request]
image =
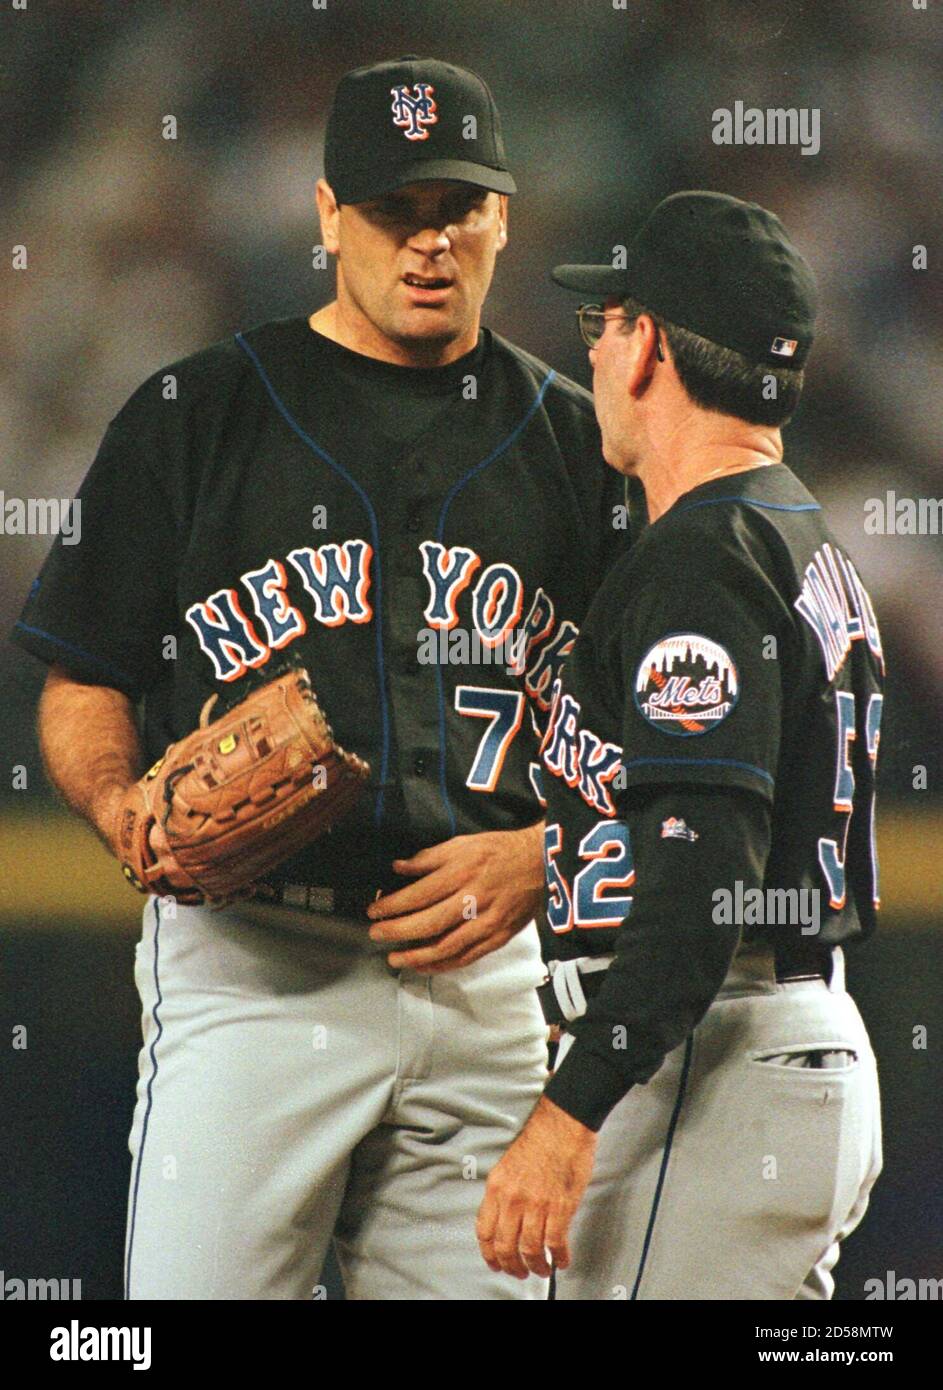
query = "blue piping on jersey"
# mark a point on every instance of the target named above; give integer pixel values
(666, 1155)
(378, 587)
(751, 502)
(78, 651)
(150, 1101)
(703, 762)
(440, 537)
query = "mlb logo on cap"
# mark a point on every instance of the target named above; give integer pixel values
(784, 347)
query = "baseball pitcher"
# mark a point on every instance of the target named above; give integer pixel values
(330, 570)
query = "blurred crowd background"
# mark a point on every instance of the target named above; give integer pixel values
(142, 249)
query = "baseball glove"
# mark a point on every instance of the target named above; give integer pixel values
(238, 796)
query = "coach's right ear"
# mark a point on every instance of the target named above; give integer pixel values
(329, 213)
(503, 220)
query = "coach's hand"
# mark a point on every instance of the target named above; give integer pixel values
(471, 894)
(533, 1192)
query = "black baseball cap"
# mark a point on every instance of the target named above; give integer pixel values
(722, 268)
(407, 122)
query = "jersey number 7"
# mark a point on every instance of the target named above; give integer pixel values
(505, 711)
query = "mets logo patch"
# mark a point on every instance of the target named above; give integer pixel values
(414, 113)
(686, 684)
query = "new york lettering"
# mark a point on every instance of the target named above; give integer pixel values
(239, 628)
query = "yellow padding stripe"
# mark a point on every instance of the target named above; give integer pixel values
(55, 871)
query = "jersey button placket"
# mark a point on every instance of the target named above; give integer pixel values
(416, 1024)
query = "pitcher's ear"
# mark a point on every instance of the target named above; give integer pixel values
(329, 216)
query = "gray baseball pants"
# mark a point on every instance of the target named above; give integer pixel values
(293, 1087)
(737, 1170)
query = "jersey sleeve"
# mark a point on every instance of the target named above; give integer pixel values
(702, 649)
(104, 599)
(673, 950)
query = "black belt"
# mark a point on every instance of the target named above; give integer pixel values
(804, 960)
(796, 961)
(308, 897)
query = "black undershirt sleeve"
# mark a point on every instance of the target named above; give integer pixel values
(671, 955)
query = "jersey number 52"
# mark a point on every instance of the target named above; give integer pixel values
(597, 898)
(832, 857)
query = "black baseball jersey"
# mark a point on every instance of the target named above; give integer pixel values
(405, 534)
(734, 647)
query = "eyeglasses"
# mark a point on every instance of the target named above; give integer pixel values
(592, 320)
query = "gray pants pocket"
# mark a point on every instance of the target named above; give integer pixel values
(821, 1059)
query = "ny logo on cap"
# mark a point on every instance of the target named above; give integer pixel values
(784, 347)
(414, 113)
